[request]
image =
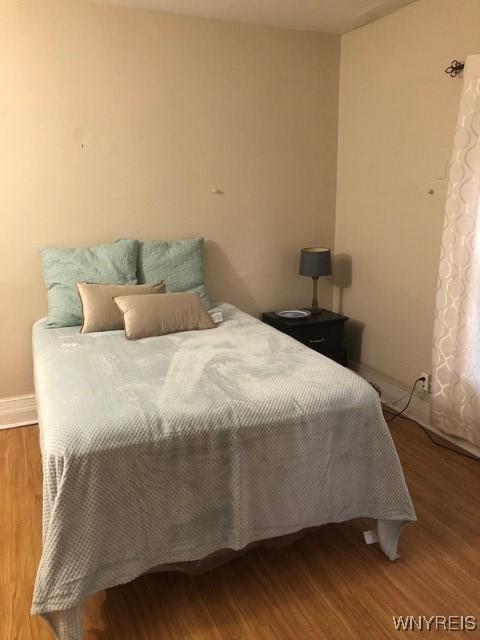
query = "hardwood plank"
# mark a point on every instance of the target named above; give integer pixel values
(327, 586)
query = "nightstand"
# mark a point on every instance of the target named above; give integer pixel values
(323, 332)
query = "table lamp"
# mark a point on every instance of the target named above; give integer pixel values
(315, 262)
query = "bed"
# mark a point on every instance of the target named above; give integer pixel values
(169, 449)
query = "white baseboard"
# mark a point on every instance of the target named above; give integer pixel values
(419, 409)
(18, 411)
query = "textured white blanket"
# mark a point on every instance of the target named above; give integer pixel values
(167, 449)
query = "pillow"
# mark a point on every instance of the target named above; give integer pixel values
(100, 313)
(153, 315)
(62, 268)
(179, 263)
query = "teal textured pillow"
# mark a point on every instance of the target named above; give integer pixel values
(179, 262)
(62, 268)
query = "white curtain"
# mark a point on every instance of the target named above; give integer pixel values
(455, 406)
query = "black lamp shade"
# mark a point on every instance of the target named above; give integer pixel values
(315, 262)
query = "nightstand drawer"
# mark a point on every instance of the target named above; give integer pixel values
(324, 339)
(324, 346)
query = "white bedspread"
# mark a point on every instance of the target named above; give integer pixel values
(168, 449)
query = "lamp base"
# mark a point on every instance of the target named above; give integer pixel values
(316, 311)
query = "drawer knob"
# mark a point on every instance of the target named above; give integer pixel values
(316, 340)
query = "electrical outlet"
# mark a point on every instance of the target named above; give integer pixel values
(425, 384)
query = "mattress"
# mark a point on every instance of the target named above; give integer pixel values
(167, 449)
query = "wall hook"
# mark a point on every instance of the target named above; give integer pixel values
(455, 68)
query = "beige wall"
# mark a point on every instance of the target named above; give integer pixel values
(396, 123)
(118, 122)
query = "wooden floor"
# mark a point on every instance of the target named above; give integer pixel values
(329, 585)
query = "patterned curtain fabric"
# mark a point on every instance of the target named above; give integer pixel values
(455, 407)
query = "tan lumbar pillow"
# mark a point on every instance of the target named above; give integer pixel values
(149, 315)
(100, 313)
